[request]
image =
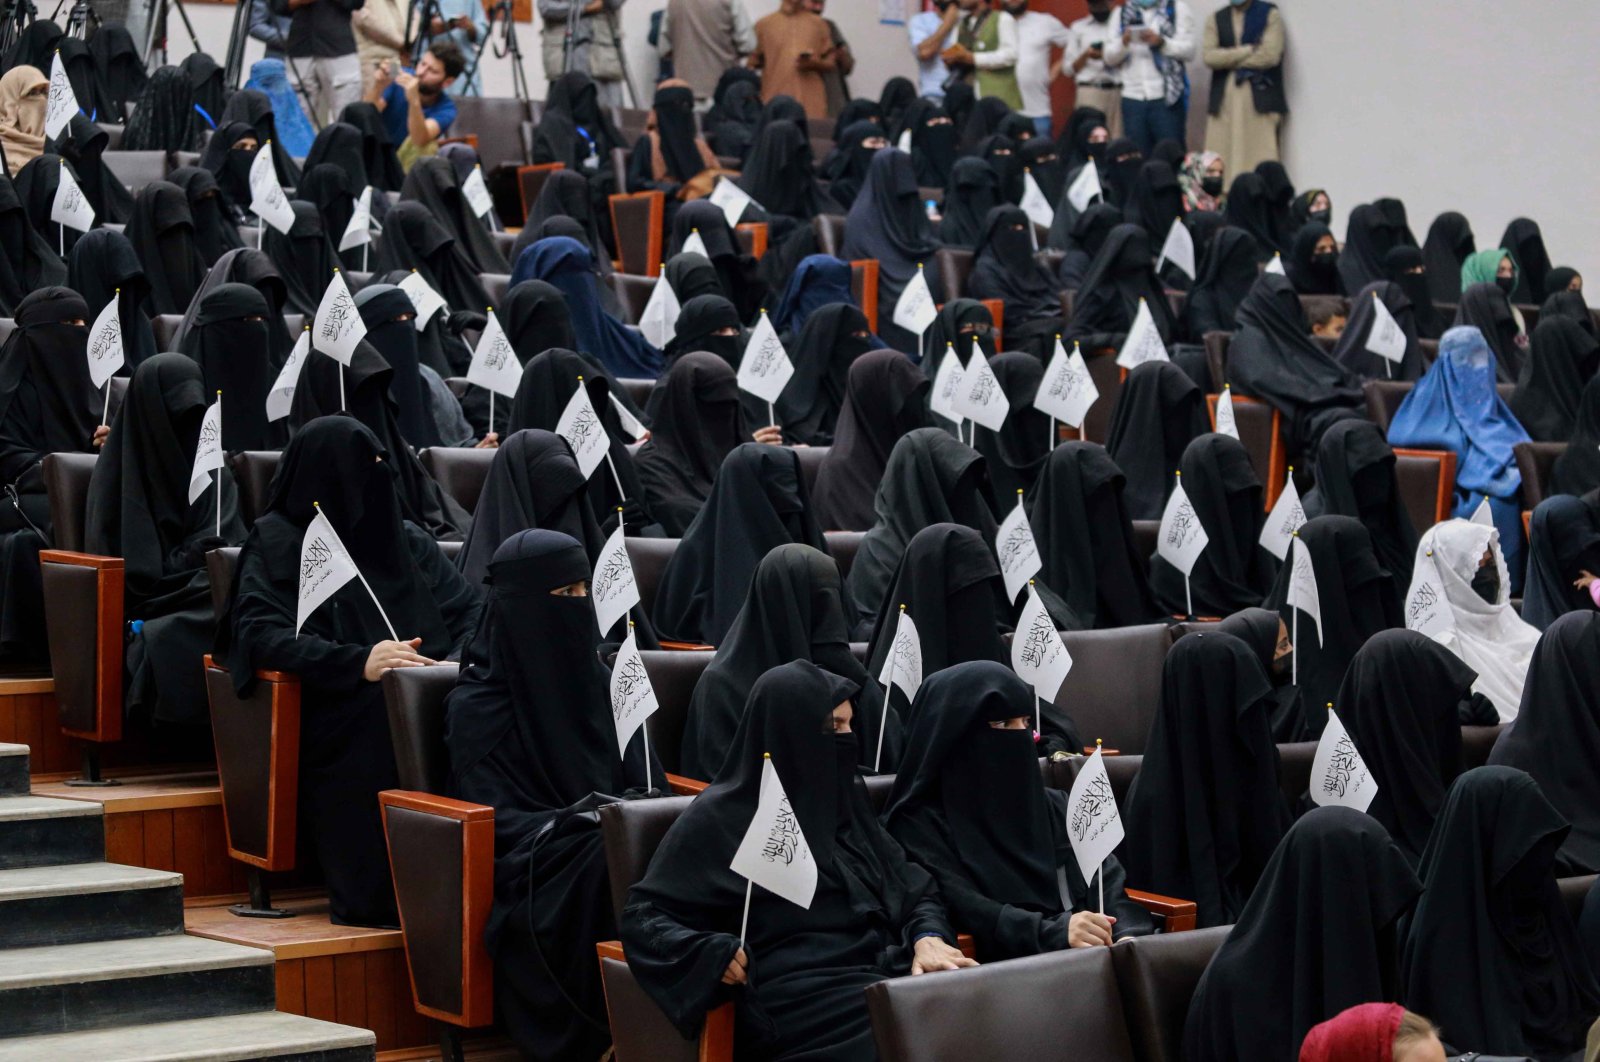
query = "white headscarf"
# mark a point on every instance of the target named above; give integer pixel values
(1492, 639)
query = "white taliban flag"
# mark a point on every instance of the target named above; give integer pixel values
(1085, 187)
(1303, 593)
(695, 245)
(359, 231)
(904, 143)
(476, 193)
(914, 310)
(1067, 391)
(281, 398)
(946, 383)
(1387, 339)
(613, 588)
(424, 299)
(1339, 776)
(494, 364)
(980, 397)
(325, 566)
(63, 104)
(731, 199)
(1144, 341)
(629, 422)
(1038, 654)
(71, 207)
(633, 698)
(1428, 611)
(1275, 266)
(208, 455)
(105, 343)
(1181, 539)
(580, 426)
(1483, 515)
(267, 200)
(1287, 517)
(765, 368)
(659, 321)
(1227, 424)
(1018, 552)
(1034, 204)
(903, 665)
(1179, 248)
(337, 327)
(774, 853)
(1094, 825)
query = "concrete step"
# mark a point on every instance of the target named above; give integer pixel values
(40, 831)
(267, 1035)
(87, 901)
(76, 987)
(13, 769)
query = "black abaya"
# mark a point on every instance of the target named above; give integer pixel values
(1563, 542)
(1486, 308)
(1523, 241)
(885, 397)
(1234, 571)
(1369, 235)
(736, 270)
(1159, 402)
(1005, 269)
(1260, 629)
(828, 344)
(1119, 279)
(28, 262)
(230, 343)
(533, 482)
(390, 318)
(433, 183)
(778, 175)
(973, 191)
(694, 424)
(102, 267)
(304, 256)
(162, 233)
(1248, 208)
(1562, 358)
(1449, 243)
(565, 195)
(413, 239)
(83, 147)
(214, 231)
(1351, 350)
(1355, 476)
(1310, 272)
(1227, 272)
(889, 223)
(1018, 450)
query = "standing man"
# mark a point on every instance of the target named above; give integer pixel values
(596, 44)
(1157, 39)
(324, 49)
(986, 48)
(1099, 86)
(844, 62)
(1244, 49)
(461, 22)
(703, 38)
(416, 110)
(380, 28)
(1037, 34)
(932, 33)
(793, 51)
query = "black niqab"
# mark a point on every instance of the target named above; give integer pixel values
(162, 234)
(102, 267)
(1119, 278)
(382, 164)
(1227, 273)
(1562, 358)
(1355, 476)
(1156, 200)
(28, 262)
(1018, 450)
(829, 343)
(1005, 269)
(1351, 350)
(885, 397)
(384, 309)
(164, 117)
(778, 174)
(973, 191)
(1249, 208)
(1158, 402)
(1234, 571)
(1486, 308)
(1310, 274)
(1450, 242)
(694, 424)
(230, 343)
(1525, 243)
(433, 183)
(888, 222)
(214, 232)
(304, 256)
(1368, 236)
(413, 239)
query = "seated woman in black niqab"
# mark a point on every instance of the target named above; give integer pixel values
(1042, 159)
(758, 502)
(958, 324)
(737, 270)
(565, 195)
(1486, 308)
(1000, 152)
(888, 222)
(931, 478)
(707, 323)
(695, 423)
(1406, 267)
(1312, 262)
(933, 141)
(576, 130)
(1119, 278)
(1355, 476)
(382, 164)
(802, 970)
(48, 404)
(1357, 597)
(391, 329)
(1017, 451)
(1234, 571)
(346, 756)
(83, 148)
(37, 184)
(1156, 200)
(1317, 937)
(1399, 701)
(164, 117)
(1273, 358)
(730, 124)
(670, 153)
(251, 267)
(1004, 268)
(230, 343)
(1085, 238)
(323, 186)
(794, 611)
(778, 175)
(214, 231)
(691, 275)
(305, 256)
(1369, 235)
(847, 171)
(1562, 358)
(413, 239)
(970, 805)
(1264, 632)
(1525, 243)
(162, 234)
(1563, 547)
(229, 155)
(139, 510)
(885, 397)
(28, 262)
(1490, 952)
(433, 183)
(1227, 273)
(1206, 810)
(1351, 349)
(103, 266)
(829, 343)
(1158, 414)
(530, 734)
(1248, 208)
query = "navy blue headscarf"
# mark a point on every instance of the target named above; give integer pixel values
(568, 265)
(818, 281)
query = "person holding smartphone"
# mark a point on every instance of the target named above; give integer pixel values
(794, 48)
(1099, 85)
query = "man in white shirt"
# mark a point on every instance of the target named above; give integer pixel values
(931, 33)
(1099, 86)
(1151, 40)
(1037, 34)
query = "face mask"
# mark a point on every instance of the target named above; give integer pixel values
(1505, 284)
(1238, 3)
(1211, 185)
(1325, 260)
(1320, 215)
(1486, 583)
(845, 759)
(1283, 669)
(1146, 3)
(1097, 151)
(1101, 16)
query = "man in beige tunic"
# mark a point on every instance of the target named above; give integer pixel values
(1244, 49)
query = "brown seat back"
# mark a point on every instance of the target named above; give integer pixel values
(810, 459)
(415, 697)
(1426, 480)
(649, 557)
(460, 470)
(530, 182)
(66, 487)
(1156, 979)
(1294, 768)
(1536, 460)
(257, 740)
(1217, 344)
(864, 286)
(1383, 400)
(955, 266)
(637, 389)
(633, 293)
(632, 831)
(220, 565)
(637, 221)
(1108, 377)
(1114, 686)
(843, 547)
(673, 676)
(253, 471)
(1258, 434)
(83, 615)
(1061, 1006)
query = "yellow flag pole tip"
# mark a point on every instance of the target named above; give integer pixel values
(902, 606)
(1097, 742)
(766, 755)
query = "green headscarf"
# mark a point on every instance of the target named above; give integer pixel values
(1480, 267)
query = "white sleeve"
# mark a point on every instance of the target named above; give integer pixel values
(1115, 51)
(1182, 44)
(1005, 52)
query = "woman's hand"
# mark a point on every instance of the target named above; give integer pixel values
(100, 435)
(772, 435)
(491, 441)
(386, 655)
(734, 974)
(1583, 580)
(934, 954)
(1089, 930)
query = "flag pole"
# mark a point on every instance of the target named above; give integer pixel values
(1038, 701)
(219, 471)
(883, 724)
(744, 922)
(364, 253)
(1294, 620)
(1100, 873)
(376, 603)
(772, 417)
(644, 736)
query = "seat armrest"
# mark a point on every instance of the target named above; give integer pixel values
(688, 647)
(716, 1036)
(83, 594)
(1180, 914)
(685, 786)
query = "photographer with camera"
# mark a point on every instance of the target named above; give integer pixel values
(415, 108)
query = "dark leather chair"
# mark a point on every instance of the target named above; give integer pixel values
(829, 229)
(1156, 980)
(253, 471)
(1121, 770)
(137, 168)
(441, 853)
(460, 470)
(495, 121)
(1145, 533)
(1574, 891)
(66, 486)
(1427, 483)
(1383, 400)
(637, 389)
(638, 219)
(810, 459)
(1477, 742)
(165, 328)
(1115, 684)
(1217, 344)
(633, 293)
(1536, 460)
(1062, 1006)
(7, 326)
(649, 557)
(495, 285)
(530, 182)
(955, 266)
(1294, 768)
(842, 547)
(673, 676)
(1261, 434)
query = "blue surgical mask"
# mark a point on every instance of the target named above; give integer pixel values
(1238, 3)
(1147, 3)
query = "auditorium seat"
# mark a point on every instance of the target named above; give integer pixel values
(1156, 979)
(530, 181)
(1114, 687)
(1294, 769)
(137, 168)
(1426, 480)
(252, 472)
(673, 676)
(638, 220)
(753, 238)
(1145, 533)
(1216, 344)
(1536, 460)
(955, 267)
(459, 470)
(1476, 744)
(165, 329)
(1121, 770)
(649, 557)
(1261, 434)
(864, 288)
(810, 459)
(633, 293)
(495, 285)
(637, 389)
(1108, 378)
(1574, 891)
(842, 547)
(495, 120)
